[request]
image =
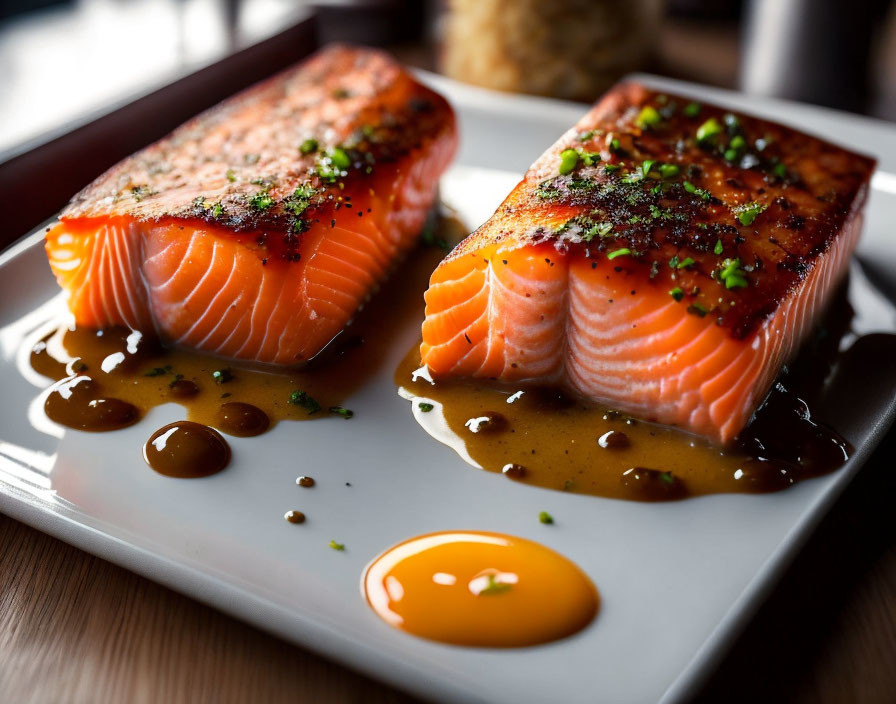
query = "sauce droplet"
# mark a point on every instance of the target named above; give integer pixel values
(294, 516)
(653, 484)
(514, 471)
(613, 440)
(183, 388)
(306, 482)
(480, 589)
(242, 419)
(76, 402)
(186, 450)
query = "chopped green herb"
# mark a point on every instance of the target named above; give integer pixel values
(588, 158)
(614, 145)
(648, 117)
(337, 546)
(676, 293)
(719, 248)
(309, 146)
(730, 155)
(157, 371)
(568, 485)
(340, 411)
(701, 192)
(621, 252)
(692, 109)
(230, 175)
(545, 517)
(646, 166)
(261, 200)
(601, 229)
(666, 477)
(141, 192)
(746, 214)
(669, 170)
(425, 407)
(685, 263)
(780, 171)
(300, 199)
(732, 275)
(222, 376)
(217, 210)
(738, 142)
(339, 158)
(568, 160)
(610, 168)
(697, 309)
(494, 586)
(709, 130)
(585, 136)
(301, 398)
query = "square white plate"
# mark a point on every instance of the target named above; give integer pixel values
(677, 580)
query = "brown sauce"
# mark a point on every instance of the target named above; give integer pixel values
(306, 482)
(76, 401)
(294, 516)
(186, 450)
(547, 438)
(127, 372)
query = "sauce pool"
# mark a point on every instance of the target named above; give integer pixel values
(480, 589)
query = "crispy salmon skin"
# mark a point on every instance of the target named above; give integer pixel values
(257, 229)
(664, 257)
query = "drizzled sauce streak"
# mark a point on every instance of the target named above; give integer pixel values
(480, 589)
(109, 378)
(549, 438)
(186, 450)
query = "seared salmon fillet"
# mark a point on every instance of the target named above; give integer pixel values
(663, 257)
(259, 228)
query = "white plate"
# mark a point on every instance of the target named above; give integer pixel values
(677, 580)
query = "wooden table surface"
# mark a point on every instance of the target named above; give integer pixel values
(75, 628)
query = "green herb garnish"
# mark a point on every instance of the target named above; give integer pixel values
(697, 309)
(494, 586)
(648, 117)
(340, 411)
(746, 214)
(337, 546)
(309, 146)
(230, 175)
(692, 109)
(709, 130)
(261, 200)
(301, 398)
(719, 248)
(621, 252)
(700, 192)
(669, 170)
(732, 275)
(222, 376)
(425, 407)
(685, 263)
(646, 166)
(568, 160)
(545, 517)
(676, 293)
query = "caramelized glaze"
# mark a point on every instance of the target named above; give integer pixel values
(544, 437)
(479, 589)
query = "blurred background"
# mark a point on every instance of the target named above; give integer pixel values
(63, 61)
(84, 83)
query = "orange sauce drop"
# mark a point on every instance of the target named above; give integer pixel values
(480, 589)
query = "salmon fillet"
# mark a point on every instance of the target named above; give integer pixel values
(663, 257)
(258, 229)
